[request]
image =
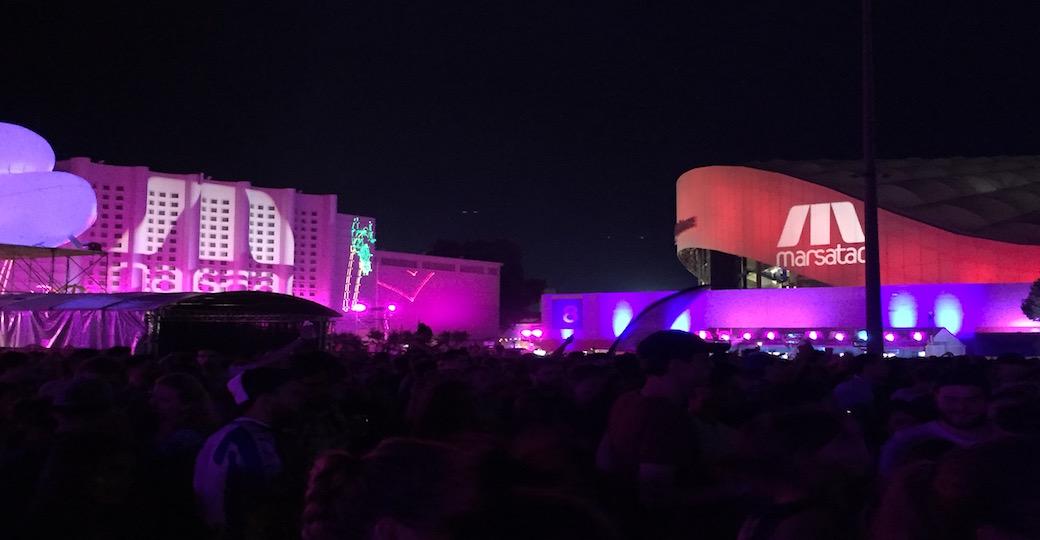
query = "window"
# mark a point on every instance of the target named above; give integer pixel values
(162, 194)
(119, 188)
(104, 188)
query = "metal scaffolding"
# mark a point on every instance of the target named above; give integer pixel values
(33, 269)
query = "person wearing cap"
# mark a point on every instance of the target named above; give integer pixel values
(962, 400)
(238, 472)
(649, 440)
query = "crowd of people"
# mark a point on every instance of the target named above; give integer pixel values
(681, 440)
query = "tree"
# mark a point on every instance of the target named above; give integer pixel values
(1031, 303)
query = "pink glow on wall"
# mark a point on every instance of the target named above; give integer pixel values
(443, 293)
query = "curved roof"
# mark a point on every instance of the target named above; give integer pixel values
(996, 198)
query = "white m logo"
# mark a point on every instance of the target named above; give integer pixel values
(820, 224)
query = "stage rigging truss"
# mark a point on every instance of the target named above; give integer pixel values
(34, 269)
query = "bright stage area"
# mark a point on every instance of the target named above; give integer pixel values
(969, 312)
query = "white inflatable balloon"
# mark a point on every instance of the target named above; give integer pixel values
(22, 151)
(39, 207)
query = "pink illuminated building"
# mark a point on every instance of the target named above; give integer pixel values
(187, 232)
(166, 232)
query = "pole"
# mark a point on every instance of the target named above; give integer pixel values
(872, 272)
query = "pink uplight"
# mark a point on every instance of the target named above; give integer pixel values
(839, 336)
(358, 308)
(724, 337)
(890, 337)
(537, 332)
(702, 334)
(770, 335)
(813, 335)
(918, 336)
(747, 336)
(392, 307)
(525, 332)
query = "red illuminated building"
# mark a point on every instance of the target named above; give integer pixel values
(781, 223)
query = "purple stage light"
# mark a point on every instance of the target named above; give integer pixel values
(525, 332)
(890, 337)
(702, 334)
(392, 307)
(724, 337)
(813, 334)
(839, 336)
(358, 308)
(747, 336)
(918, 336)
(537, 332)
(770, 335)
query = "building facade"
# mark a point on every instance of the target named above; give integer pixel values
(774, 224)
(443, 293)
(187, 232)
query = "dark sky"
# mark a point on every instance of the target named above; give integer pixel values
(563, 125)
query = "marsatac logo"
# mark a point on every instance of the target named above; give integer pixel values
(819, 216)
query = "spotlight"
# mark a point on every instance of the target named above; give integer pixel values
(839, 336)
(861, 335)
(922, 354)
(918, 336)
(392, 307)
(747, 336)
(813, 335)
(537, 332)
(702, 334)
(525, 332)
(724, 337)
(358, 308)
(890, 337)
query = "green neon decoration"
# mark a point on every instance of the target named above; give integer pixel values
(361, 241)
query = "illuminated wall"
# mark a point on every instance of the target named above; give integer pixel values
(186, 232)
(785, 221)
(964, 309)
(443, 293)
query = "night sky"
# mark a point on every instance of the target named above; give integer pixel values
(560, 125)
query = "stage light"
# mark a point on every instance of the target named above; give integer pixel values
(747, 336)
(702, 334)
(770, 335)
(918, 336)
(358, 308)
(539, 352)
(724, 337)
(566, 333)
(813, 335)
(861, 335)
(525, 332)
(839, 336)
(922, 354)
(392, 307)
(537, 332)
(890, 337)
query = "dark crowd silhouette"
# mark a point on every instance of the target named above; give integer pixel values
(421, 441)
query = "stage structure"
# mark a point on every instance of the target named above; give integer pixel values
(241, 322)
(32, 269)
